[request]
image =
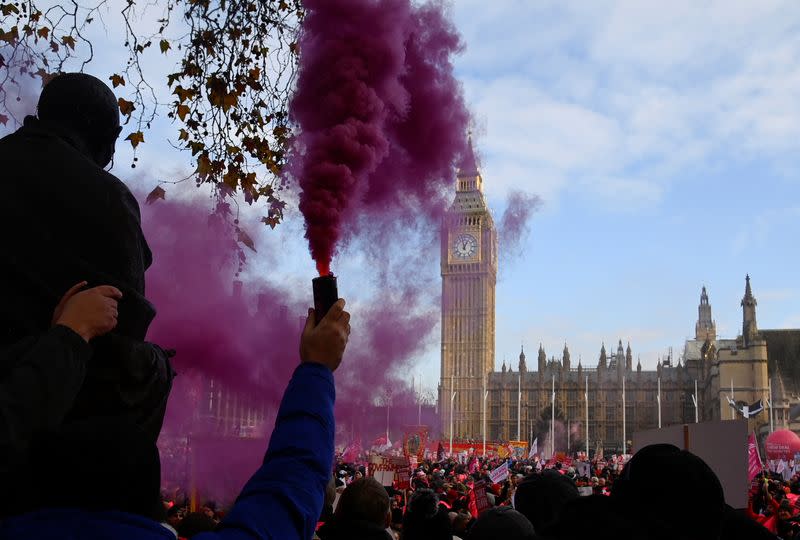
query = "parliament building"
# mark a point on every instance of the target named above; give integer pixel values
(515, 402)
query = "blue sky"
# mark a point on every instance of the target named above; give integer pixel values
(663, 139)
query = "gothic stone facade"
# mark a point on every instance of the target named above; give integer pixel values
(516, 401)
(604, 382)
(713, 363)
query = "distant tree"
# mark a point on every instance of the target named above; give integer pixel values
(236, 62)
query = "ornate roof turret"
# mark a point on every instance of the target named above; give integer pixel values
(628, 358)
(620, 358)
(504, 366)
(542, 359)
(565, 358)
(705, 328)
(523, 367)
(749, 326)
(639, 365)
(603, 358)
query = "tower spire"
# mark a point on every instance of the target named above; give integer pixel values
(541, 359)
(628, 358)
(749, 325)
(706, 327)
(468, 167)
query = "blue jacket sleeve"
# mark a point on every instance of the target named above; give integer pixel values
(284, 498)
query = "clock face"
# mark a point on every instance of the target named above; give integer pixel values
(465, 246)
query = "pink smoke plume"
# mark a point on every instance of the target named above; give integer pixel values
(381, 117)
(245, 338)
(515, 223)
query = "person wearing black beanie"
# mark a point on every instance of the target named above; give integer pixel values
(503, 523)
(539, 497)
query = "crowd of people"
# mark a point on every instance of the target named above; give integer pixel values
(82, 399)
(773, 502)
(662, 493)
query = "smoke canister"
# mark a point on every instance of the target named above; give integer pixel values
(326, 293)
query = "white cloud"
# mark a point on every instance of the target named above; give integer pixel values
(591, 94)
(755, 232)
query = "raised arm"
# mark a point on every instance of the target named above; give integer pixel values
(284, 498)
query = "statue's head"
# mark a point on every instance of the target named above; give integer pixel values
(87, 108)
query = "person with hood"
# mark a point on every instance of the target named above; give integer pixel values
(68, 220)
(99, 478)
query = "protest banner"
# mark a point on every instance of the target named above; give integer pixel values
(415, 439)
(385, 468)
(499, 474)
(518, 449)
(403, 478)
(481, 500)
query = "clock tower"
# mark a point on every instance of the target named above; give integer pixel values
(469, 276)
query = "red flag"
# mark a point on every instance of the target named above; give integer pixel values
(754, 464)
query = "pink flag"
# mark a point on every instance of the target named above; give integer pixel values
(754, 465)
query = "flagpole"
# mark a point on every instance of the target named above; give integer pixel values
(658, 398)
(624, 433)
(452, 402)
(419, 402)
(530, 426)
(771, 418)
(388, 404)
(553, 419)
(567, 433)
(733, 409)
(519, 406)
(696, 403)
(586, 399)
(485, 395)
